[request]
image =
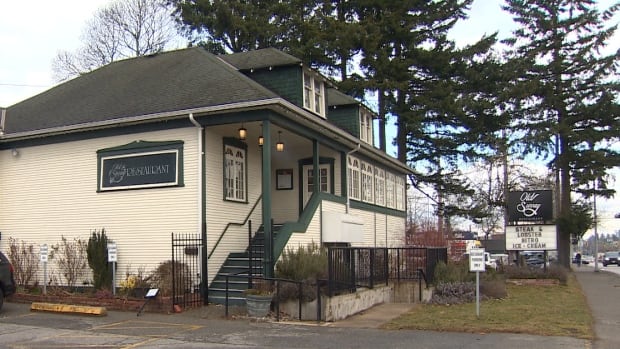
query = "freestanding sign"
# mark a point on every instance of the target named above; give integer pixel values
(43, 250)
(531, 237)
(43, 253)
(530, 206)
(476, 263)
(112, 252)
(112, 258)
(476, 260)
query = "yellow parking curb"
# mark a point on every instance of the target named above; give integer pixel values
(66, 308)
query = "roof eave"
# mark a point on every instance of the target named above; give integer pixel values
(308, 118)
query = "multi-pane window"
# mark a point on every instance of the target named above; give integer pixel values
(389, 190)
(367, 183)
(400, 193)
(323, 180)
(314, 98)
(379, 186)
(354, 178)
(374, 185)
(366, 127)
(235, 173)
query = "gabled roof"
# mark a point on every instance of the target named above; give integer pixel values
(335, 98)
(257, 59)
(170, 81)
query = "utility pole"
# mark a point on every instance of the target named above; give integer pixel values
(595, 230)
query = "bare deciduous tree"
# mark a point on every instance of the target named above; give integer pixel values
(123, 29)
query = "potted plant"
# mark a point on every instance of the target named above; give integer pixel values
(258, 299)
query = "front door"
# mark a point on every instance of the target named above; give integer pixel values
(308, 181)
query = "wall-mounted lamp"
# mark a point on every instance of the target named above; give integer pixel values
(14, 152)
(261, 141)
(242, 133)
(279, 145)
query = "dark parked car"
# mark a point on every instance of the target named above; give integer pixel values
(535, 262)
(7, 282)
(610, 258)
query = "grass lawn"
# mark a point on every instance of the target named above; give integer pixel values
(559, 310)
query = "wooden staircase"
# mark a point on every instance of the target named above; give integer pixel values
(239, 263)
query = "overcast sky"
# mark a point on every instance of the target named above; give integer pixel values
(32, 32)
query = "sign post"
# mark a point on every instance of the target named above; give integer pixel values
(43, 251)
(112, 258)
(476, 264)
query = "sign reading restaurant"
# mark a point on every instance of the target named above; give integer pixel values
(140, 165)
(530, 206)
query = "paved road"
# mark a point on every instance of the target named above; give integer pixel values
(21, 329)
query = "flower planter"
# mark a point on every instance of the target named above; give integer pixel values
(258, 305)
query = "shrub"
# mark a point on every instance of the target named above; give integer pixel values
(455, 284)
(71, 259)
(162, 277)
(97, 252)
(260, 288)
(309, 262)
(134, 283)
(453, 272)
(454, 293)
(307, 265)
(25, 261)
(553, 271)
(493, 289)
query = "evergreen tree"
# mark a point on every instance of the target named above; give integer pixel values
(97, 254)
(565, 95)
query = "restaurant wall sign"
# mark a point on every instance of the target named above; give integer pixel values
(140, 165)
(530, 206)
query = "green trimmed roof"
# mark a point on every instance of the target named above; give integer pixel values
(167, 82)
(335, 97)
(258, 59)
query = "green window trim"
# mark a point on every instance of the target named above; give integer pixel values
(234, 170)
(140, 165)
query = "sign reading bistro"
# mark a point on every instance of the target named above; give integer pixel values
(531, 237)
(147, 166)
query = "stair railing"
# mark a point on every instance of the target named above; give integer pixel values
(247, 218)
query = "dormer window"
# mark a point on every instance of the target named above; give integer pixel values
(314, 94)
(366, 127)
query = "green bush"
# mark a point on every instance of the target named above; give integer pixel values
(306, 264)
(453, 272)
(97, 253)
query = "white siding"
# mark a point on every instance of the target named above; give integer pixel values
(50, 191)
(221, 212)
(311, 235)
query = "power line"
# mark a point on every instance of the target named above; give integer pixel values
(21, 85)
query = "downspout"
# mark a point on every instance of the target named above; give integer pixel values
(2, 116)
(202, 216)
(347, 170)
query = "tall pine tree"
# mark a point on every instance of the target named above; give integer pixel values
(566, 95)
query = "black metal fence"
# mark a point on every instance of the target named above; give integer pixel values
(187, 288)
(352, 267)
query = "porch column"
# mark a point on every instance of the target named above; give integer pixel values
(344, 185)
(315, 167)
(266, 188)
